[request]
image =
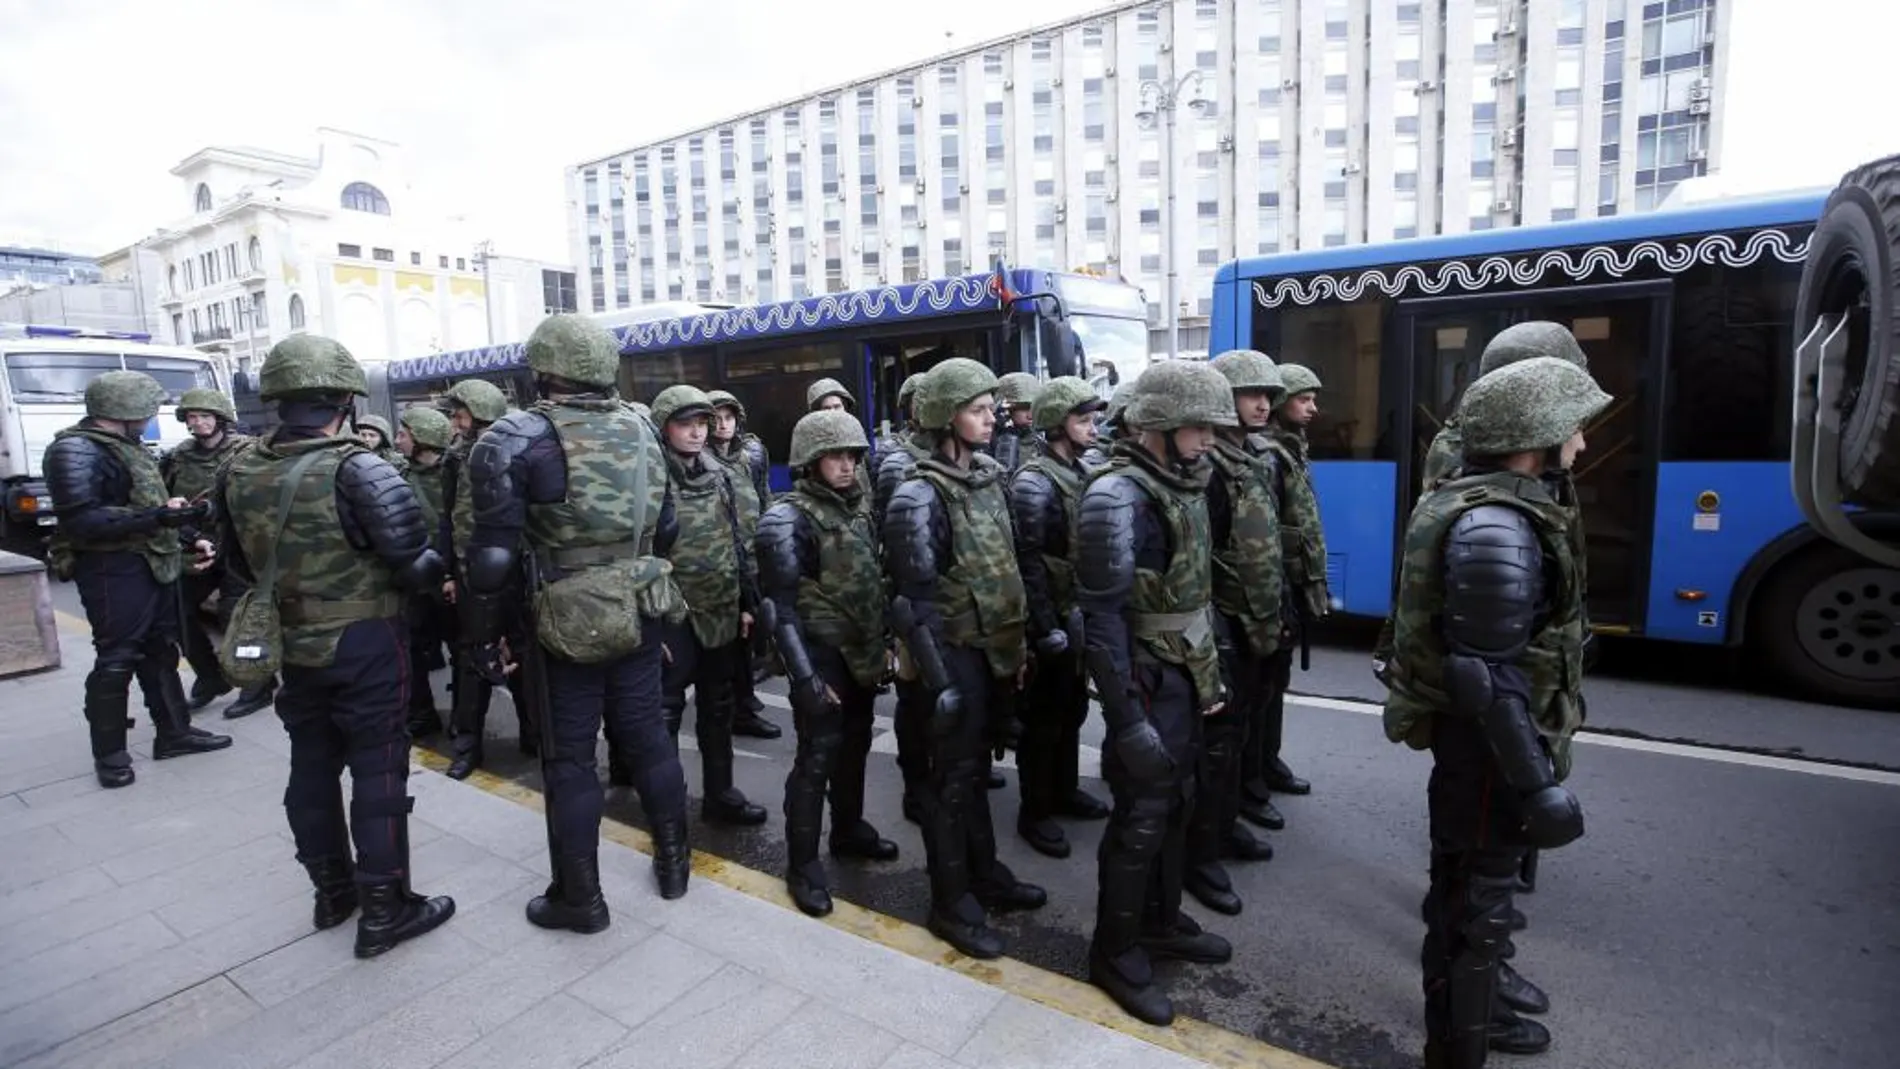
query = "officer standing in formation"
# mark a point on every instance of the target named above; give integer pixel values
(1043, 498)
(824, 583)
(336, 538)
(1016, 439)
(961, 610)
(191, 471)
(1144, 577)
(579, 482)
(910, 719)
(712, 563)
(474, 406)
(748, 470)
(1486, 670)
(119, 539)
(422, 437)
(1096, 456)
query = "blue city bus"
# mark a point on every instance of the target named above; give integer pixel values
(1047, 322)
(1687, 315)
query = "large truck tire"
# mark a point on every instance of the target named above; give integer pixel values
(1825, 626)
(1853, 268)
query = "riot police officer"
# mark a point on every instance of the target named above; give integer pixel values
(1244, 518)
(1303, 557)
(826, 394)
(961, 611)
(902, 426)
(119, 540)
(1097, 455)
(474, 405)
(1017, 438)
(422, 437)
(712, 563)
(1144, 578)
(748, 469)
(1486, 673)
(335, 537)
(578, 481)
(191, 470)
(821, 576)
(910, 718)
(375, 434)
(1043, 495)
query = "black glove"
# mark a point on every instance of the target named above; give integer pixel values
(1053, 644)
(171, 517)
(1552, 817)
(1139, 747)
(489, 664)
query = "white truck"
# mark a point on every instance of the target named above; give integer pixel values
(43, 375)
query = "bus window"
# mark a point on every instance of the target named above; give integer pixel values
(176, 375)
(55, 376)
(644, 375)
(1342, 344)
(898, 358)
(1731, 344)
(771, 384)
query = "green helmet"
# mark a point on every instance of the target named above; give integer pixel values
(825, 432)
(680, 402)
(1063, 397)
(310, 363)
(1118, 401)
(1528, 406)
(824, 388)
(130, 396)
(429, 428)
(1181, 393)
(724, 399)
(948, 387)
(1521, 341)
(1250, 369)
(380, 426)
(908, 391)
(574, 347)
(484, 400)
(203, 400)
(1018, 388)
(1298, 379)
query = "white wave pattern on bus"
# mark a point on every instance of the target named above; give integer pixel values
(1579, 264)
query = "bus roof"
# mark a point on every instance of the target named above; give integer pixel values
(1772, 209)
(885, 304)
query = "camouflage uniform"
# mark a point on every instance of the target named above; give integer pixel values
(823, 388)
(579, 482)
(386, 446)
(1014, 444)
(712, 561)
(1244, 521)
(902, 425)
(190, 471)
(748, 469)
(824, 584)
(1486, 673)
(472, 694)
(1096, 456)
(337, 565)
(1304, 598)
(120, 545)
(1043, 496)
(1144, 576)
(911, 717)
(430, 622)
(961, 612)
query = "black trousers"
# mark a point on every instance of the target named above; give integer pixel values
(200, 648)
(833, 745)
(1266, 721)
(135, 625)
(959, 834)
(1474, 866)
(1052, 714)
(910, 722)
(1230, 739)
(349, 714)
(713, 674)
(625, 693)
(1144, 848)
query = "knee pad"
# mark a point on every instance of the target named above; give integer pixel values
(398, 805)
(1485, 916)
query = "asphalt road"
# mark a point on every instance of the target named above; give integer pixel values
(1736, 901)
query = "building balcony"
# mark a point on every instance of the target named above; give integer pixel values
(171, 300)
(216, 336)
(253, 278)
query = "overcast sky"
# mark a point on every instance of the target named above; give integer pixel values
(492, 98)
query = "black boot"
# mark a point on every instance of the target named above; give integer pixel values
(1242, 845)
(172, 718)
(731, 807)
(723, 803)
(672, 857)
(251, 700)
(1520, 994)
(335, 882)
(1511, 1034)
(393, 914)
(1263, 814)
(1002, 892)
(967, 929)
(1186, 941)
(807, 886)
(1081, 805)
(862, 841)
(114, 770)
(1281, 780)
(1211, 887)
(1129, 980)
(106, 700)
(205, 691)
(748, 722)
(468, 755)
(1044, 836)
(573, 901)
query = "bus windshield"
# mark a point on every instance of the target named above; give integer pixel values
(54, 378)
(1102, 342)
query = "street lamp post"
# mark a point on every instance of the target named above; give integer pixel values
(1158, 100)
(484, 252)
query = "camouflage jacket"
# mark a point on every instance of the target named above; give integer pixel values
(1553, 659)
(1443, 458)
(159, 547)
(426, 479)
(980, 595)
(190, 472)
(1048, 571)
(1245, 515)
(894, 466)
(841, 595)
(323, 583)
(711, 562)
(1302, 537)
(744, 461)
(458, 522)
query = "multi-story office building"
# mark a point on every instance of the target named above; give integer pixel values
(1321, 122)
(44, 267)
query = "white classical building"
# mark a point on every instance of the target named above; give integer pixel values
(1320, 123)
(339, 243)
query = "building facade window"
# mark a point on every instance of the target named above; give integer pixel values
(363, 197)
(296, 312)
(201, 201)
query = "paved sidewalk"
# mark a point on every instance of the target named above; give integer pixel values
(168, 924)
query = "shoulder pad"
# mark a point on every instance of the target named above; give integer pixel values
(504, 440)
(1104, 549)
(1493, 581)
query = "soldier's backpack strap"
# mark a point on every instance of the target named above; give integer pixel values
(267, 579)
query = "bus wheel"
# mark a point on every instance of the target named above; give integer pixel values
(1826, 626)
(1853, 268)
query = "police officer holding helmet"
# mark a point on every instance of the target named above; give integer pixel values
(1486, 673)
(119, 540)
(335, 535)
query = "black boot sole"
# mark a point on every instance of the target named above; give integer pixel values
(208, 746)
(566, 918)
(385, 942)
(1142, 1003)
